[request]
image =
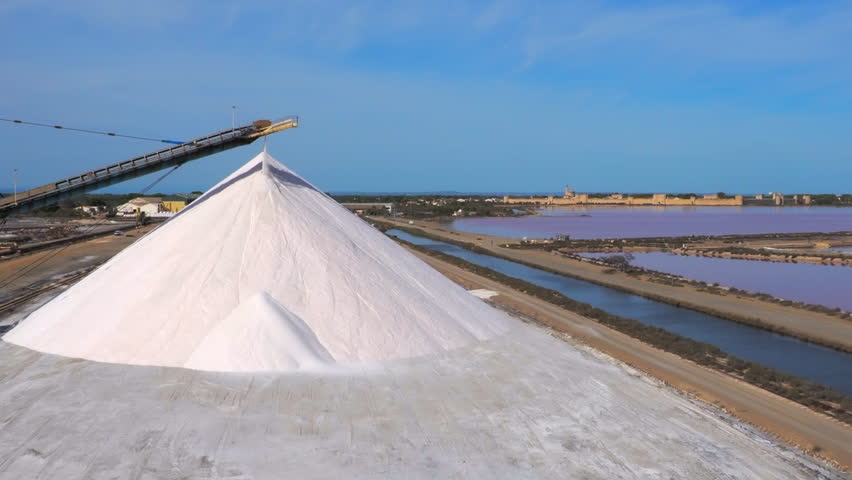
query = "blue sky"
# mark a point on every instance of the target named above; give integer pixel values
(504, 95)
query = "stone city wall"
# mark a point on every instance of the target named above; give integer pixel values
(659, 199)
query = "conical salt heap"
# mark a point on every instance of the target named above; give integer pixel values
(263, 272)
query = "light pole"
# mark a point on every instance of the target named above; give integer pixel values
(15, 183)
(233, 117)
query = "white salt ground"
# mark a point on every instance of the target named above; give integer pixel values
(264, 272)
(482, 293)
(523, 405)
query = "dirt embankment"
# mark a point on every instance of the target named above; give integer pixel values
(817, 327)
(799, 426)
(820, 258)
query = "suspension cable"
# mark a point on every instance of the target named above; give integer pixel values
(84, 130)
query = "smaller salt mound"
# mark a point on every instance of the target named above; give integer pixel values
(260, 334)
(483, 293)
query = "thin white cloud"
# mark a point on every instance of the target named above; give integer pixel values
(693, 33)
(526, 32)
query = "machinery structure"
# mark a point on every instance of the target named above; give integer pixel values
(142, 165)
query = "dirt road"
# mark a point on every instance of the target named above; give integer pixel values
(27, 273)
(19, 272)
(803, 323)
(784, 419)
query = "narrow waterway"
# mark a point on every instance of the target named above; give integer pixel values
(820, 364)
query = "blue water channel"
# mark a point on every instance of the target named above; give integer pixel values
(807, 360)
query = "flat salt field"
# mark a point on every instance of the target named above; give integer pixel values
(631, 222)
(826, 285)
(521, 405)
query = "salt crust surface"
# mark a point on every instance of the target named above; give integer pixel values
(264, 272)
(524, 405)
(483, 293)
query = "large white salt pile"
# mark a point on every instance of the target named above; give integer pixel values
(263, 272)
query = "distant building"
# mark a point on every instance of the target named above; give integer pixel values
(802, 199)
(174, 203)
(151, 206)
(174, 206)
(89, 209)
(573, 198)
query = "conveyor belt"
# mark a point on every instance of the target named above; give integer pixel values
(142, 165)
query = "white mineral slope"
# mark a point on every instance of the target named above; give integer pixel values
(263, 272)
(250, 338)
(519, 406)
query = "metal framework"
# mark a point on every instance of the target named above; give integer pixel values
(142, 165)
